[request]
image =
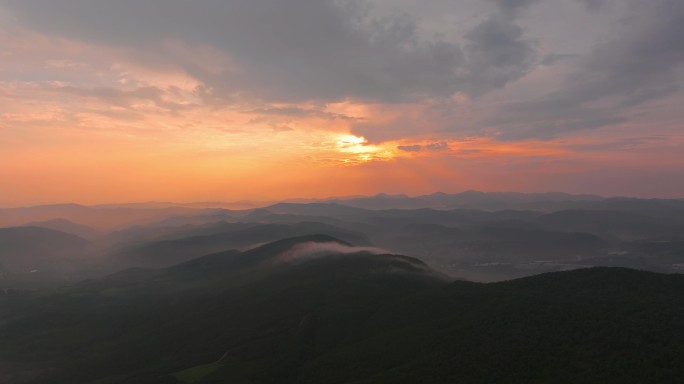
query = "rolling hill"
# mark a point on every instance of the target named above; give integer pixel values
(31, 256)
(317, 309)
(221, 237)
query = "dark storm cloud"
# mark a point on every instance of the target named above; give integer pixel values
(287, 51)
(555, 58)
(643, 64)
(593, 5)
(297, 49)
(497, 54)
(296, 112)
(513, 7)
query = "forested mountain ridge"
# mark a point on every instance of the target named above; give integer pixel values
(316, 309)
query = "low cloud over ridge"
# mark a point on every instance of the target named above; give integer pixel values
(313, 250)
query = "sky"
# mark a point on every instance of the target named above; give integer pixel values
(223, 100)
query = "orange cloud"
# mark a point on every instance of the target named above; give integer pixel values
(82, 123)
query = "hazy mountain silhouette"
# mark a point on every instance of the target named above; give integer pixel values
(471, 200)
(67, 226)
(488, 245)
(96, 217)
(487, 237)
(33, 255)
(627, 225)
(168, 252)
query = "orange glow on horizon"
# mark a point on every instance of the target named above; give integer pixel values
(112, 130)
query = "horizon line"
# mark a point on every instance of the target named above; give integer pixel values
(307, 200)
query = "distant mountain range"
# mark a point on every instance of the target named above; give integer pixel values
(469, 200)
(472, 235)
(66, 226)
(101, 218)
(120, 215)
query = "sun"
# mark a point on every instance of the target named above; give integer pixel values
(356, 149)
(348, 143)
(351, 140)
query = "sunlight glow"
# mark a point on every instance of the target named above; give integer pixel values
(357, 150)
(346, 140)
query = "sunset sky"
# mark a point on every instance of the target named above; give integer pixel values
(174, 100)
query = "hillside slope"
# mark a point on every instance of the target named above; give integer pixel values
(316, 309)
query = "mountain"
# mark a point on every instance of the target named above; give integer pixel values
(394, 218)
(227, 236)
(67, 226)
(496, 201)
(158, 231)
(101, 218)
(472, 235)
(495, 245)
(472, 200)
(591, 326)
(621, 224)
(38, 255)
(473, 244)
(317, 309)
(322, 209)
(235, 301)
(263, 216)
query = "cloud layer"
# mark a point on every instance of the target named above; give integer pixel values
(246, 89)
(325, 51)
(296, 50)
